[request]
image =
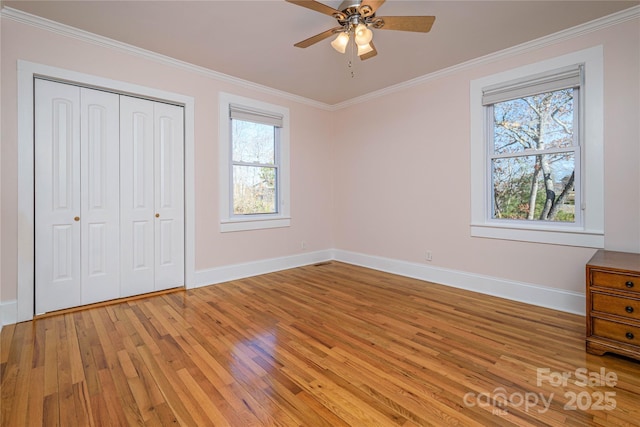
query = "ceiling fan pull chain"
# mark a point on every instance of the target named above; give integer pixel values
(350, 60)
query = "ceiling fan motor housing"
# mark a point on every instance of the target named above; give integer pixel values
(352, 14)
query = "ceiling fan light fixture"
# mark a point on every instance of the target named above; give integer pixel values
(364, 49)
(340, 42)
(363, 35)
(356, 20)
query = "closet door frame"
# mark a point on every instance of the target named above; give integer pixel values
(27, 72)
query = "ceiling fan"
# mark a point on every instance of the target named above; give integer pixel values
(356, 19)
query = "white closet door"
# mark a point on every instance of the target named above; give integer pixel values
(137, 213)
(100, 195)
(169, 196)
(57, 196)
(151, 196)
(109, 196)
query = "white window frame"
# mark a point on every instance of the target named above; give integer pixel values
(228, 220)
(589, 230)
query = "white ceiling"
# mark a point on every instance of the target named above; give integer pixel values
(253, 40)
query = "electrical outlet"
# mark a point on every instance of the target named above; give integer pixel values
(428, 256)
(303, 245)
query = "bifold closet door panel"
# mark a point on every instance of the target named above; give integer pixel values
(169, 196)
(151, 196)
(137, 213)
(57, 196)
(77, 196)
(100, 195)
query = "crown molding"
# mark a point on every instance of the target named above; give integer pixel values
(577, 31)
(68, 31)
(570, 33)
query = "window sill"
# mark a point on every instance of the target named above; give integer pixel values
(242, 224)
(560, 236)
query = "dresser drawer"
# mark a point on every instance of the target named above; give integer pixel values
(616, 331)
(615, 281)
(619, 306)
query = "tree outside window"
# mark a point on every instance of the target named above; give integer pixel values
(255, 168)
(534, 157)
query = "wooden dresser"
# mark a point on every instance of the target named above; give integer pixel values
(613, 303)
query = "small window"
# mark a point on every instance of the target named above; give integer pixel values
(254, 164)
(536, 152)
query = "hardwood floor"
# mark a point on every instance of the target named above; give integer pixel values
(327, 345)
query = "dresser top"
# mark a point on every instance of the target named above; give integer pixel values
(616, 260)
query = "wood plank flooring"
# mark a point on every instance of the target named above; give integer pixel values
(327, 345)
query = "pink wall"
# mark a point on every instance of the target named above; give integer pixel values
(405, 183)
(310, 153)
(395, 187)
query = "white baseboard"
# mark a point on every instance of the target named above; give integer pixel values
(239, 271)
(9, 312)
(557, 299)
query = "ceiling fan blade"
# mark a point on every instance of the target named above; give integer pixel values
(371, 54)
(318, 37)
(319, 7)
(369, 7)
(421, 24)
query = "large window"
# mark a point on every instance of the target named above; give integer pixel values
(537, 152)
(254, 164)
(534, 149)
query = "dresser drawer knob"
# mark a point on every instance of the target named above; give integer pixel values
(628, 309)
(629, 335)
(629, 284)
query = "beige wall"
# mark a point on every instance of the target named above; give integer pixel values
(405, 183)
(393, 182)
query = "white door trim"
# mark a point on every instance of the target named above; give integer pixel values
(26, 234)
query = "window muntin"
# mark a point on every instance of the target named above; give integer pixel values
(534, 154)
(255, 167)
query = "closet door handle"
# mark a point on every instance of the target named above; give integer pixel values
(157, 215)
(76, 219)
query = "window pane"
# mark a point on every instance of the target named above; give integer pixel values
(253, 142)
(534, 122)
(537, 187)
(254, 190)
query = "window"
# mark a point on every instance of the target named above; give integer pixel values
(537, 152)
(534, 149)
(254, 161)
